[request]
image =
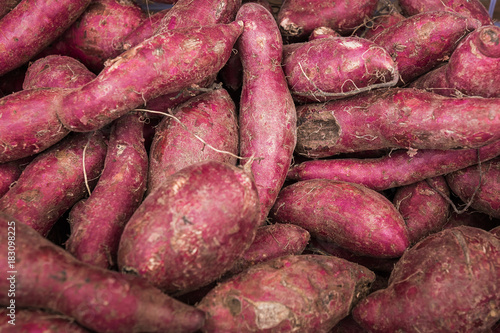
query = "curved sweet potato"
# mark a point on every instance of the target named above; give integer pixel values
(149, 70)
(55, 180)
(306, 293)
(102, 300)
(191, 229)
(212, 118)
(97, 222)
(350, 215)
(32, 25)
(448, 282)
(267, 117)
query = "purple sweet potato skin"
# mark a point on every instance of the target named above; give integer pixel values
(398, 168)
(267, 116)
(210, 116)
(496, 231)
(184, 14)
(147, 71)
(9, 173)
(472, 70)
(97, 222)
(350, 215)
(7, 5)
(96, 35)
(102, 300)
(396, 118)
(54, 181)
(424, 209)
(471, 218)
(55, 71)
(473, 9)
(272, 241)
(195, 224)
(465, 181)
(382, 22)
(32, 25)
(448, 282)
(37, 320)
(306, 293)
(298, 18)
(36, 130)
(423, 41)
(337, 67)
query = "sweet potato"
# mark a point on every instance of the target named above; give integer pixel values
(46, 276)
(209, 118)
(97, 222)
(29, 123)
(31, 26)
(56, 71)
(298, 18)
(396, 118)
(55, 180)
(473, 9)
(421, 42)
(424, 209)
(350, 215)
(192, 227)
(306, 293)
(486, 176)
(473, 67)
(147, 71)
(37, 320)
(272, 241)
(337, 67)
(267, 117)
(398, 168)
(448, 282)
(97, 34)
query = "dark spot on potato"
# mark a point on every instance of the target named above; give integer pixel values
(234, 305)
(315, 134)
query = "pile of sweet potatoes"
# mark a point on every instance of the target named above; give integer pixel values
(249, 166)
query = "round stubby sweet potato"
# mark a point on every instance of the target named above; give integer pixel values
(191, 228)
(448, 282)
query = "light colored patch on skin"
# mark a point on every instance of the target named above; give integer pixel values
(191, 44)
(270, 314)
(351, 44)
(178, 185)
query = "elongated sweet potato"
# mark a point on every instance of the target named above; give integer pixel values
(37, 320)
(97, 222)
(267, 117)
(32, 25)
(46, 276)
(350, 215)
(423, 41)
(473, 67)
(97, 34)
(192, 227)
(55, 180)
(473, 9)
(209, 118)
(36, 130)
(298, 18)
(464, 183)
(395, 169)
(306, 293)
(424, 209)
(56, 71)
(272, 241)
(337, 67)
(448, 282)
(396, 118)
(147, 71)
